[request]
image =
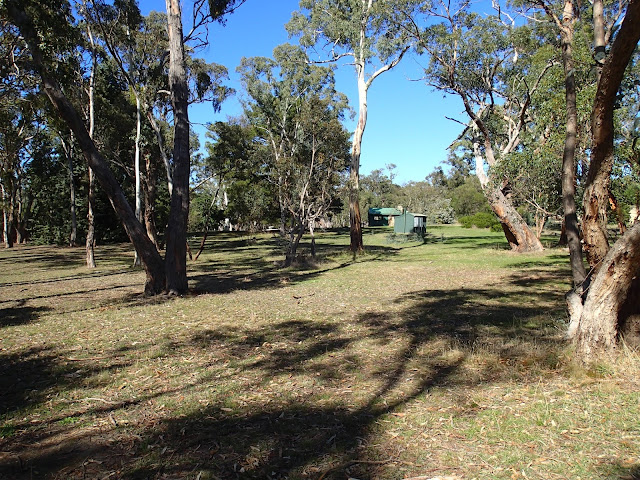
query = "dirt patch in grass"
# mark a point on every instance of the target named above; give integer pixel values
(443, 358)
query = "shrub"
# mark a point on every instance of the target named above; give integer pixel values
(481, 220)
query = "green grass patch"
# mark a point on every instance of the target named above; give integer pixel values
(429, 358)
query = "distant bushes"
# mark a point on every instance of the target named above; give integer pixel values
(481, 220)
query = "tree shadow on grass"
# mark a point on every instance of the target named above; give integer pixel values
(224, 276)
(619, 471)
(305, 398)
(472, 242)
(299, 437)
(20, 314)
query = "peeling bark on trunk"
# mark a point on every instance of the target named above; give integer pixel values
(611, 302)
(598, 325)
(91, 194)
(176, 238)
(596, 195)
(518, 234)
(355, 219)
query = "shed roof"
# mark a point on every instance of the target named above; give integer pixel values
(385, 211)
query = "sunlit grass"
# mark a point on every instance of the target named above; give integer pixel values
(416, 358)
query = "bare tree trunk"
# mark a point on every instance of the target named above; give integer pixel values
(91, 229)
(596, 193)
(137, 171)
(6, 224)
(355, 219)
(518, 234)
(599, 41)
(313, 238)
(283, 210)
(595, 326)
(163, 152)
(151, 259)
(68, 150)
(572, 228)
(91, 194)
(150, 201)
(176, 254)
(295, 237)
(598, 325)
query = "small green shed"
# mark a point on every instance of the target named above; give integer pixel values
(382, 217)
(410, 223)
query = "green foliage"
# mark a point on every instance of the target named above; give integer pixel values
(468, 199)
(344, 25)
(481, 220)
(299, 143)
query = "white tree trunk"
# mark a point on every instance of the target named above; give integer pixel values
(136, 260)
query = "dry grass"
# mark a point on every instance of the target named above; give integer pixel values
(413, 361)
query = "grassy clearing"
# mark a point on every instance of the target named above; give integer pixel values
(442, 358)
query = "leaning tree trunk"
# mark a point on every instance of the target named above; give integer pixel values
(596, 324)
(596, 195)
(176, 251)
(518, 234)
(151, 260)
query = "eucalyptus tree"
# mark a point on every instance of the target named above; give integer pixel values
(317, 167)
(371, 35)
(278, 89)
(488, 63)
(48, 32)
(295, 110)
(119, 26)
(564, 16)
(20, 123)
(610, 307)
(231, 164)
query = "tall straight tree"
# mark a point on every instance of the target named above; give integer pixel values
(566, 27)
(370, 33)
(176, 246)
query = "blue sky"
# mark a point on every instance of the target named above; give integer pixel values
(406, 123)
